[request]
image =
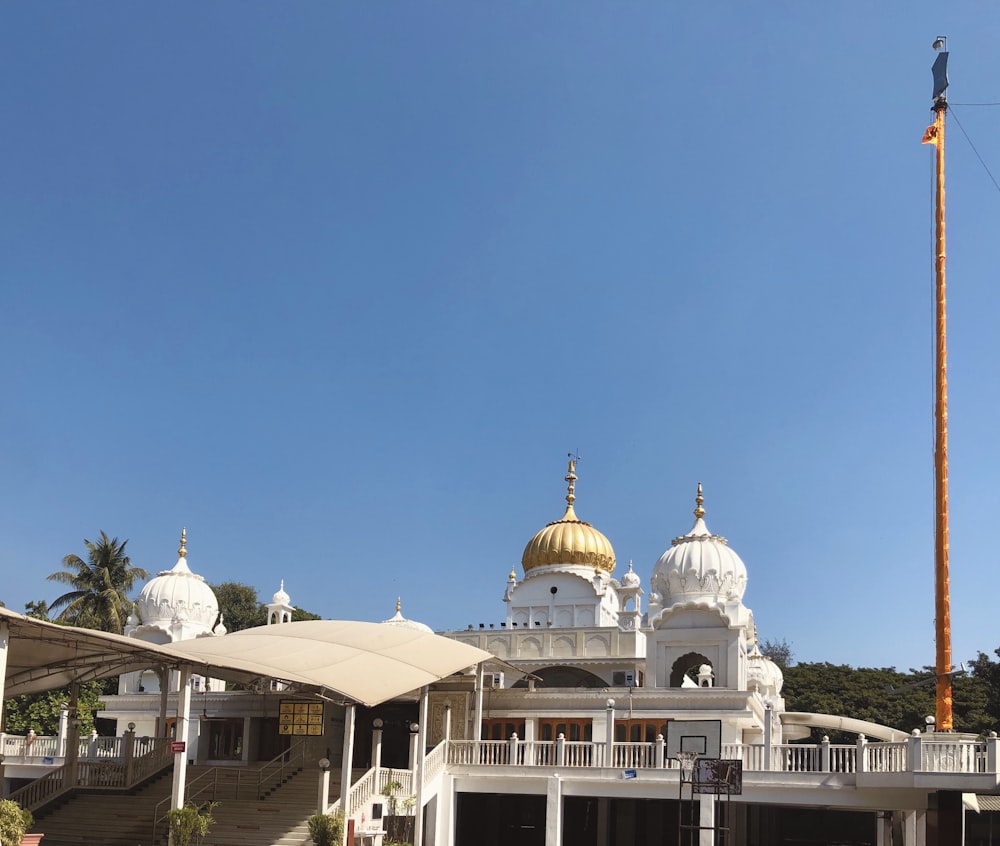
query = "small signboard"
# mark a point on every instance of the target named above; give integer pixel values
(178, 746)
(48, 760)
(300, 717)
(628, 774)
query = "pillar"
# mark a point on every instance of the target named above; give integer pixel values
(418, 808)
(477, 729)
(323, 795)
(180, 758)
(706, 819)
(347, 764)
(553, 811)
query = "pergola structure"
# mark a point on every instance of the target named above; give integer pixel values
(351, 663)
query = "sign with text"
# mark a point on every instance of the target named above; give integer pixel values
(178, 746)
(300, 717)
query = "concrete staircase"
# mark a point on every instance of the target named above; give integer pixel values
(127, 820)
(103, 818)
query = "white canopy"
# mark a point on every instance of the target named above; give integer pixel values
(365, 663)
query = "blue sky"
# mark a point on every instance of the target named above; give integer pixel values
(337, 286)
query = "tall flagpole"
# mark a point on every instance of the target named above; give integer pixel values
(942, 600)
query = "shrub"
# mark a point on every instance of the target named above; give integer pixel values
(14, 822)
(327, 829)
(190, 825)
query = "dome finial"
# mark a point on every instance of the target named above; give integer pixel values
(399, 605)
(571, 479)
(699, 512)
(182, 552)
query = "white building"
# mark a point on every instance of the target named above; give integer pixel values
(572, 739)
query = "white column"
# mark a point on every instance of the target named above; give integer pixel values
(180, 758)
(447, 722)
(323, 799)
(70, 762)
(915, 828)
(609, 734)
(63, 731)
(4, 646)
(477, 729)
(347, 764)
(706, 819)
(163, 674)
(553, 812)
(767, 736)
(377, 751)
(418, 821)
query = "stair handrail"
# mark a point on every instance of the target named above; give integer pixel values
(38, 792)
(210, 776)
(274, 770)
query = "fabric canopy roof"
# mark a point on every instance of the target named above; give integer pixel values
(366, 663)
(43, 656)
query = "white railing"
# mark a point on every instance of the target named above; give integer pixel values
(958, 756)
(952, 756)
(434, 763)
(631, 756)
(26, 750)
(886, 757)
(150, 755)
(35, 794)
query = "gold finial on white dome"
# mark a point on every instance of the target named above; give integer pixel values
(571, 479)
(699, 512)
(399, 605)
(182, 552)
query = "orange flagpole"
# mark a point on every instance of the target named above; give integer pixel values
(942, 600)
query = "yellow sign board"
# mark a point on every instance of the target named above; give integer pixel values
(300, 718)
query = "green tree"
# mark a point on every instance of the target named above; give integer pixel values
(100, 586)
(882, 695)
(239, 606)
(242, 609)
(39, 610)
(40, 711)
(779, 651)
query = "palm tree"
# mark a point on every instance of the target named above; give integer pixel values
(101, 584)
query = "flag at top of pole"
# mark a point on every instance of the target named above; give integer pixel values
(940, 69)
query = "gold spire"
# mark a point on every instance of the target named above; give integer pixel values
(182, 552)
(569, 540)
(571, 482)
(399, 605)
(699, 512)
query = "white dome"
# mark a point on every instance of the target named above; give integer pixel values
(178, 595)
(281, 597)
(399, 620)
(631, 578)
(699, 567)
(763, 674)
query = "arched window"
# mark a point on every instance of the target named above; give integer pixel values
(687, 665)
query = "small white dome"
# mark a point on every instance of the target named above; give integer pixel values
(281, 598)
(631, 578)
(178, 595)
(763, 675)
(699, 567)
(399, 620)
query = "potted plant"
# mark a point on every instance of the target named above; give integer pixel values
(190, 825)
(14, 823)
(327, 829)
(398, 826)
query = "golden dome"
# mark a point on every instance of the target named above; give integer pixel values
(569, 540)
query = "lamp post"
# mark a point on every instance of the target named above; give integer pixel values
(323, 799)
